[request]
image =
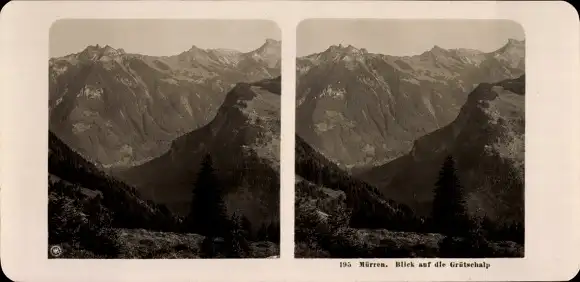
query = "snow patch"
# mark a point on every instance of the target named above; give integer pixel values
(170, 81)
(80, 127)
(58, 101)
(229, 58)
(90, 92)
(411, 80)
(126, 150)
(303, 69)
(369, 149)
(323, 127)
(301, 101)
(59, 69)
(333, 93)
(333, 119)
(90, 113)
(126, 81)
(428, 105)
(186, 105)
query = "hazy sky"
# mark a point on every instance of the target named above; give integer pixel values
(405, 37)
(159, 37)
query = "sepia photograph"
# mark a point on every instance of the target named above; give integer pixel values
(164, 139)
(407, 141)
(409, 138)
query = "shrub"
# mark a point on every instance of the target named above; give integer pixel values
(80, 221)
(235, 241)
(310, 250)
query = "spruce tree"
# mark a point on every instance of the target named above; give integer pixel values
(262, 234)
(273, 231)
(247, 227)
(449, 207)
(207, 213)
(236, 242)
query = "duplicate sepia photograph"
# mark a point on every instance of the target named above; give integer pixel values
(164, 139)
(409, 139)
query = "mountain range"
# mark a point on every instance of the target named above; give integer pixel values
(122, 109)
(362, 109)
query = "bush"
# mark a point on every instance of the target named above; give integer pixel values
(327, 236)
(344, 242)
(236, 243)
(209, 248)
(308, 225)
(80, 221)
(474, 245)
(310, 250)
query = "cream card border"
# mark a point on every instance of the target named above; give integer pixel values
(552, 143)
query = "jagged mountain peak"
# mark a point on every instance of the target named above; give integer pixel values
(269, 46)
(437, 48)
(195, 49)
(511, 44)
(269, 52)
(345, 49)
(437, 51)
(97, 51)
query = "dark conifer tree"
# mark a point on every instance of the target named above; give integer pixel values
(235, 239)
(247, 227)
(449, 207)
(262, 234)
(207, 213)
(274, 232)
